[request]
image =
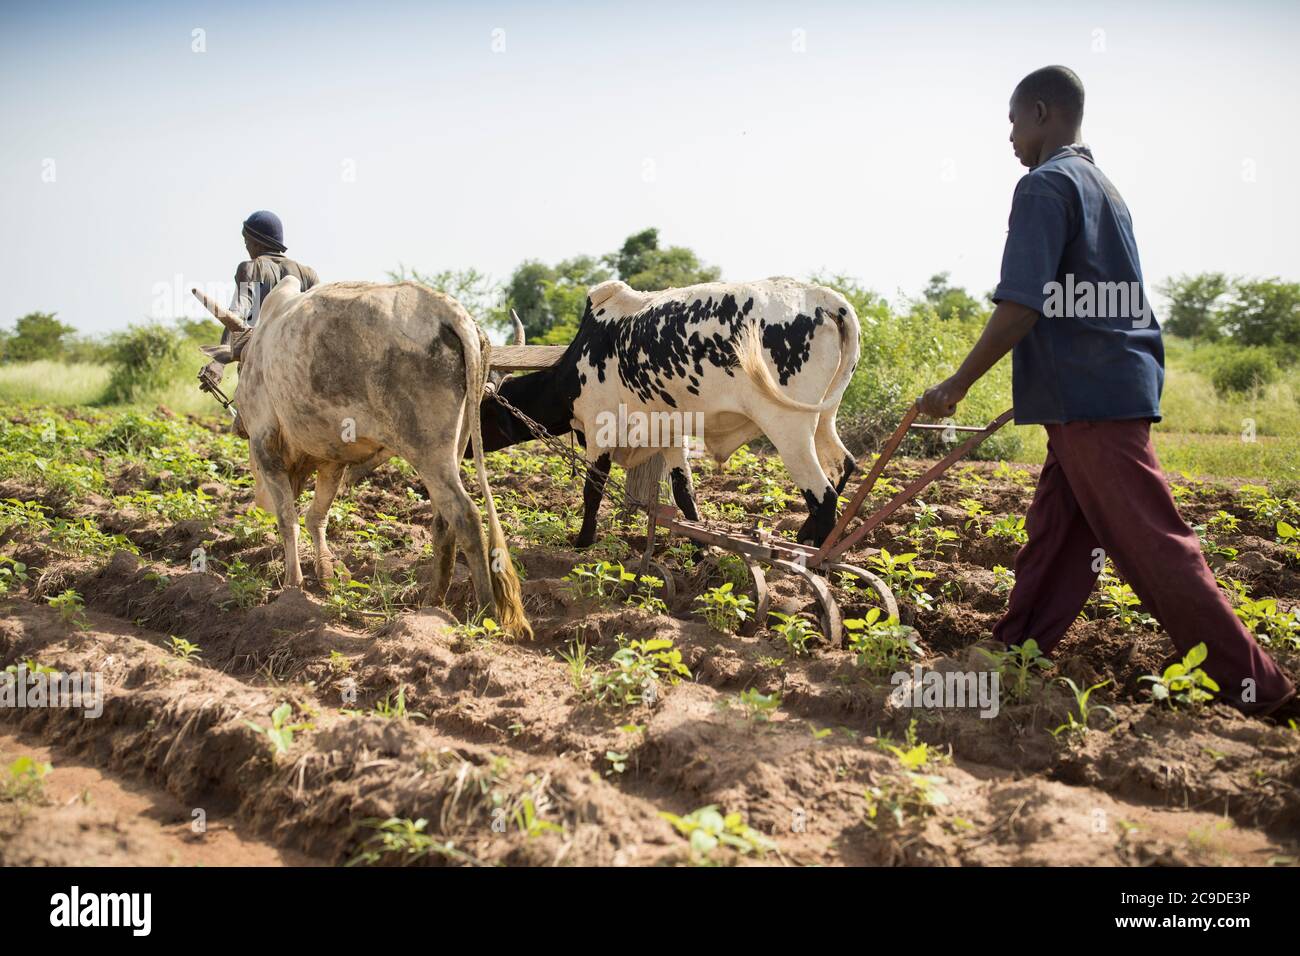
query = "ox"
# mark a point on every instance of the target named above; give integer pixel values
(334, 376)
(720, 362)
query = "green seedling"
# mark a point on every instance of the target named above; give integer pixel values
(1079, 726)
(707, 829)
(1184, 682)
(795, 630)
(280, 733)
(724, 609)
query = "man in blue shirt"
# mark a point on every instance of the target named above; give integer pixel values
(1088, 364)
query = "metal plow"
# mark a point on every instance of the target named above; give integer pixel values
(813, 565)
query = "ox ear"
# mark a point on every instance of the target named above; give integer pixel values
(227, 318)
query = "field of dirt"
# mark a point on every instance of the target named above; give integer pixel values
(411, 739)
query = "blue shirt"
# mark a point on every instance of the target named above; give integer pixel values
(1095, 352)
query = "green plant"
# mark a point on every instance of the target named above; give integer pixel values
(881, 646)
(645, 598)
(1263, 619)
(280, 733)
(1116, 599)
(71, 608)
(403, 839)
(975, 512)
(579, 665)
(758, 707)
(599, 578)
(1080, 726)
(1008, 528)
(795, 630)
(1016, 667)
(1184, 682)
(246, 584)
(707, 829)
(12, 574)
(907, 792)
(635, 672)
(396, 709)
(1004, 579)
(723, 609)
(25, 780)
(184, 649)
(902, 576)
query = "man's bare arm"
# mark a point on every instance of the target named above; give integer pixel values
(1009, 323)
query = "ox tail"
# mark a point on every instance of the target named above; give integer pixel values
(749, 352)
(505, 582)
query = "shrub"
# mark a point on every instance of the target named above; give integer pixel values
(144, 358)
(1242, 369)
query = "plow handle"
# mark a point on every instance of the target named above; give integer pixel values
(836, 543)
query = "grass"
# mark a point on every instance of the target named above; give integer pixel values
(53, 383)
(1201, 432)
(84, 383)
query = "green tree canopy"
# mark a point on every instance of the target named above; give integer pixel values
(1193, 303)
(37, 335)
(647, 268)
(949, 300)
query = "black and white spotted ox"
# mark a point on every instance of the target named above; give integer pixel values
(723, 362)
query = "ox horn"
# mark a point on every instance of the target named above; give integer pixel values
(224, 316)
(519, 327)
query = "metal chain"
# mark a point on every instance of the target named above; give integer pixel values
(614, 487)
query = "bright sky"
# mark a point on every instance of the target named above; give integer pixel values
(773, 138)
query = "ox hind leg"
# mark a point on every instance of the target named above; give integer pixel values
(328, 477)
(444, 560)
(272, 476)
(593, 490)
(461, 516)
(792, 434)
(834, 458)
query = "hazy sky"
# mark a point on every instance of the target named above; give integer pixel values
(868, 139)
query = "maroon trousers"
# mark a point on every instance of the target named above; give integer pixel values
(1102, 487)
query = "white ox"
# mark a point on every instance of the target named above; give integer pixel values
(725, 362)
(336, 375)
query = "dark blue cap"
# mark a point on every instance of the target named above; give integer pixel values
(265, 228)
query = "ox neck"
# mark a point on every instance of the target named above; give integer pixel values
(539, 396)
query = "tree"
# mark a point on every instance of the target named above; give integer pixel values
(1194, 302)
(647, 268)
(550, 297)
(949, 300)
(37, 335)
(1263, 312)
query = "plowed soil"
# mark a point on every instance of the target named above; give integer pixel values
(508, 762)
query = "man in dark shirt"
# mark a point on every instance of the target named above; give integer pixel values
(256, 276)
(1088, 364)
